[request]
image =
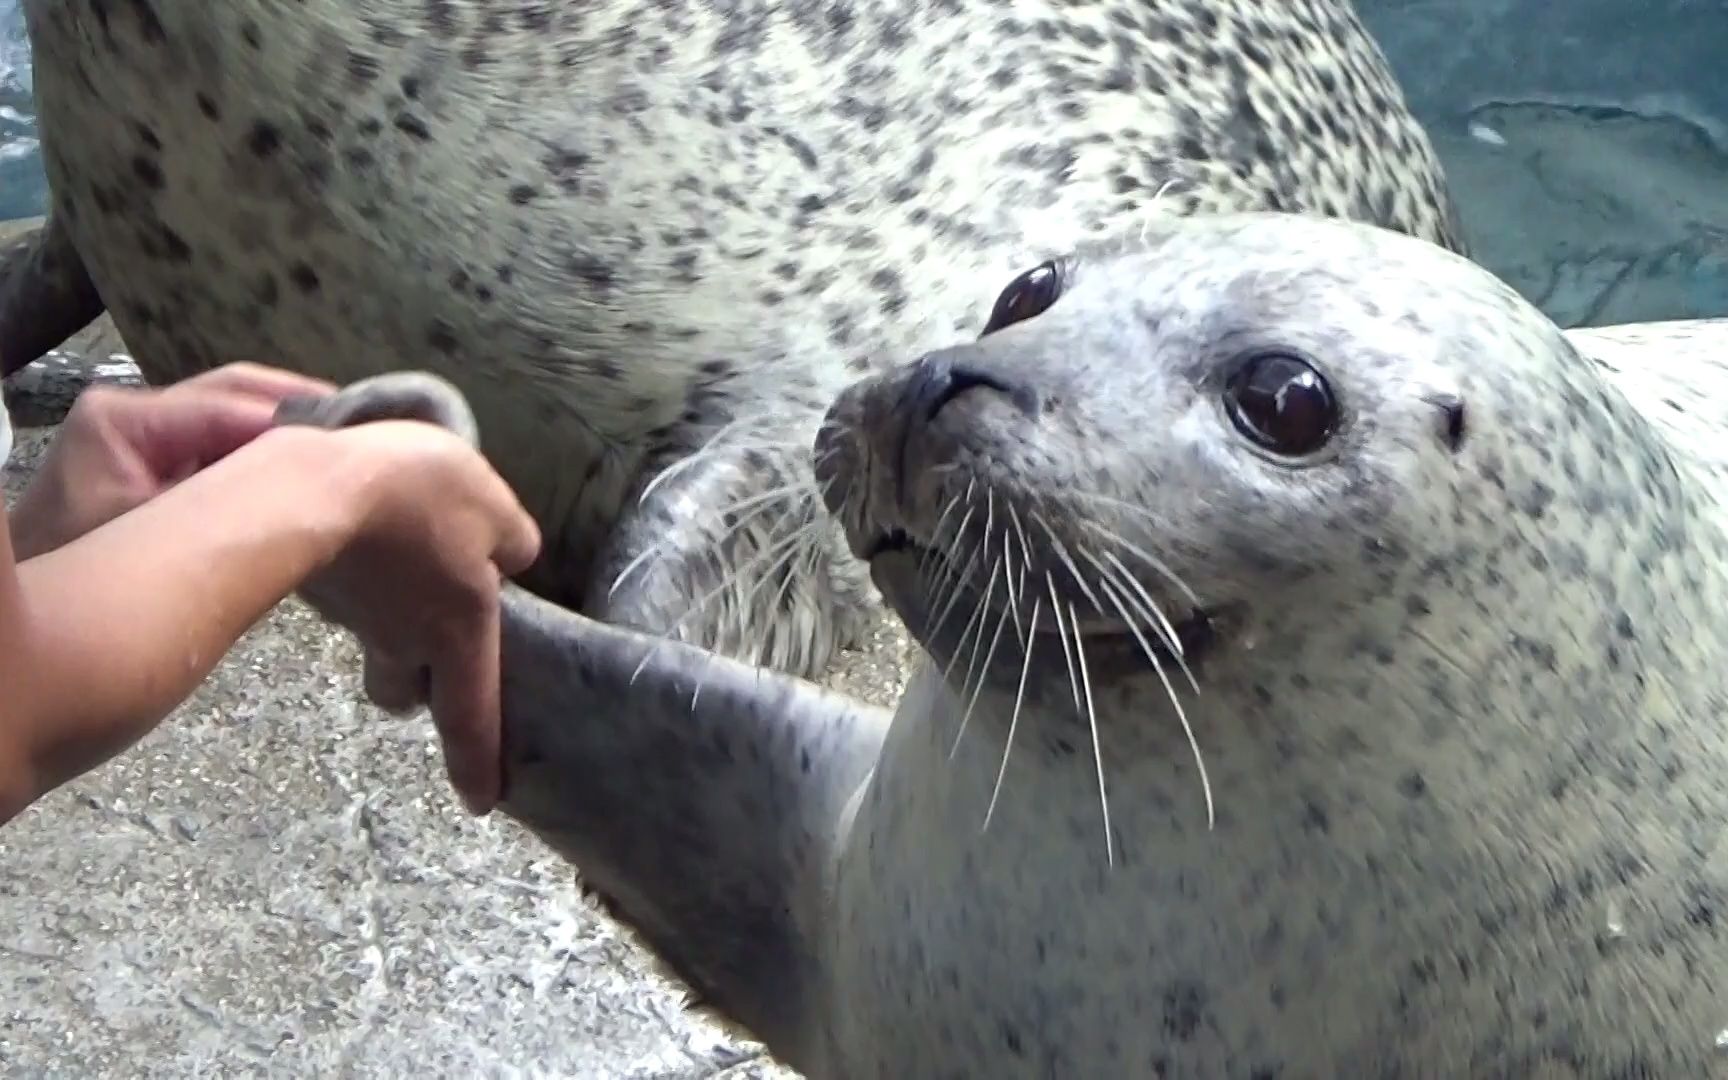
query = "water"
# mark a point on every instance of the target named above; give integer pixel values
(23, 189)
(1586, 143)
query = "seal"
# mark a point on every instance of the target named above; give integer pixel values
(650, 242)
(1321, 676)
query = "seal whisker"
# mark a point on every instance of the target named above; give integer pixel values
(1062, 635)
(701, 679)
(1020, 531)
(1175, 701)
(1061, 551)
(639, 560)
(1114, 503)
(802, 567)
(758, 505)
(1158, 194)
(983, 674)
(778, 552)
(1165, 628)
(938, 545)
(1013, 581)
(989, 515)
(956, 581)
(788, 492)
(1097, 743)
(684, 464)
(979, 609)
(942, 519)
(1145, 556)
(793, 547)
(1149, 605)
(1013, 720)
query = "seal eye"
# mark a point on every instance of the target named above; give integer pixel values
(1281, 404)
(1026, 297)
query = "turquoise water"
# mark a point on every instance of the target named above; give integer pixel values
(1586, 143)
(23, 191)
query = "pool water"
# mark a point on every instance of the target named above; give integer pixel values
(23, 190)
(1588, 156)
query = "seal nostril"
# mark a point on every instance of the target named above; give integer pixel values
(937, 381)
(962, 379)
(932, 385)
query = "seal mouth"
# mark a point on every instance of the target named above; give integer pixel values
(890, 542)
(1173, 641)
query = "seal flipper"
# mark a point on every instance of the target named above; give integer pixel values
(46, 295)
(701, 797)
(731, 549)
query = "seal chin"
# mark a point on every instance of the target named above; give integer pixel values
(918, 583)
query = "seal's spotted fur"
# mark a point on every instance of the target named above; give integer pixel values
(633, 230)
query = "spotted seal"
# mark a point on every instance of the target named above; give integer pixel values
(651, 241)
(1321, 676)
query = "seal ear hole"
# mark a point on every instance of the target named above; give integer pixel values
(1452, 423)
(1026, 297)
(1282, 404)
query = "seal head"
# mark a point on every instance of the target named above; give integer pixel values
(1163, 442)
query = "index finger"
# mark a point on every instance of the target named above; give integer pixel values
(465, 710)
(519, 545)
(518, 534)
(256, 380)
(188, 428)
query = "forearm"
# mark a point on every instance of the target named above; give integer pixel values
(108, 634)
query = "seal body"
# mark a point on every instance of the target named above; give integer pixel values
(650, 242)
(1448, 600)
(1321, 677)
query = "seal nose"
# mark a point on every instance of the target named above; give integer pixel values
(937, 380)
(933, 383)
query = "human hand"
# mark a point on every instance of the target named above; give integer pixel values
(121, 446)
(419, 586)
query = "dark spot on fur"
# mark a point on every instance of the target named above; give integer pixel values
(441, 336)
(441, 18)
(146, 135)
(362, 67)
(592, 270)
(148, 173)
(1184, 1010)
(263, 139)
(413, 126)
(1451, 420)
(1315, 818)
